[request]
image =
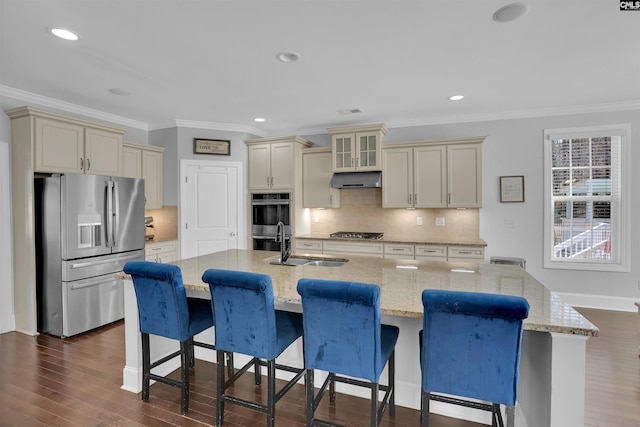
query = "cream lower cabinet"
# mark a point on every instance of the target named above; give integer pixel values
(436, 174)
(161, 251)
(431, 252)
(399, 250)
(465, 254)
(63, 145)
(307, 246)
(346, 248)
(316, 177)
(145, 161)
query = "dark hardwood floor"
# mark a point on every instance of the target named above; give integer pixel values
(46, 381)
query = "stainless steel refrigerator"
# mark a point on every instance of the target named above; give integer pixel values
(87, 228)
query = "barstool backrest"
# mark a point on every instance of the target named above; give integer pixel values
(244, 312)
(342, 327)
(162, 300)
(471, 344)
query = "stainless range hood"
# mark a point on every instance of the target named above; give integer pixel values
(356, 180)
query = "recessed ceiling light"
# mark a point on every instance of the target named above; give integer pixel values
(64, 34)
(259, 119)
(510, 12)
(119, 92)
(288, 56)
(456, 97)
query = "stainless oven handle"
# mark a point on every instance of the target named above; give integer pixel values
(262, 237)
(270, 202)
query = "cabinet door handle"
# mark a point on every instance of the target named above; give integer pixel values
(449, 198)
(409, 198)
(81, 163)
(415, 198)
(88, 164)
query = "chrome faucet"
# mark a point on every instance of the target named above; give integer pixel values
(280, 237)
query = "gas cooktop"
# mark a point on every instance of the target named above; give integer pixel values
(356, 235)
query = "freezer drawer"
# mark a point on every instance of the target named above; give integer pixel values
(96, 266)
(90, 303)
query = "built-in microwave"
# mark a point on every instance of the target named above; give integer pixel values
(267, 209)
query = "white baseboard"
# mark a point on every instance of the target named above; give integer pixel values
(602, 302)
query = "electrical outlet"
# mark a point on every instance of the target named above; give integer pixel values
(509, 223)
(316, 218)
(439, 222)
(419, 220)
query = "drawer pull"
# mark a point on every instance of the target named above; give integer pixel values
(465, 252)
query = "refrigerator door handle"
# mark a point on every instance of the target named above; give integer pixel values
(109, 219)
(116, 216)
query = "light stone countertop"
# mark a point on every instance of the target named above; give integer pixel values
(401, 239)
(401, 288)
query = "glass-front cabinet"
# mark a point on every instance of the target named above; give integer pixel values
(357, 148)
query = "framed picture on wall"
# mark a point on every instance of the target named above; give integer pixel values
(511, 189)
(220, 147)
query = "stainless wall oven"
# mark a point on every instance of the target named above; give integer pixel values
(267, 209)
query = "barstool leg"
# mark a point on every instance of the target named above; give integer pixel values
(392, 383)
(257, 370)
(310, 397)
(424, 409)
(511, 416)
(146, 366)
(373, 412)
(185, 362)
(332, 388)
(220, 387)
(271, 393)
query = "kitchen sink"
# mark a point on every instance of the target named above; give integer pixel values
(312, 262)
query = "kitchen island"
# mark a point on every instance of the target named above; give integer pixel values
(552, 371)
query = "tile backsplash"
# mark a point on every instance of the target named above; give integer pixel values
(165, 222)
(361, 210)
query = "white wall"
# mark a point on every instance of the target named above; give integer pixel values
(515, 147)
(7, 318)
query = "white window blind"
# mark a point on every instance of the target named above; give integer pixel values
(585, 198)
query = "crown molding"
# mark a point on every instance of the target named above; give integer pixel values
(44, 101)
(32, 98)
(523, 114)
(230, 127)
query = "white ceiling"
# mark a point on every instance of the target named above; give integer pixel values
(212, 63)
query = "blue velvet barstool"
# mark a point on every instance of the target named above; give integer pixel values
(165, 310)
(248, 323)
(470, 348)
(344, 336)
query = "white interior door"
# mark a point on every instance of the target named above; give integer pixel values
(211, 211)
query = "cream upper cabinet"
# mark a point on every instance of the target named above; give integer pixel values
(131, 161)
(103, 152)
(145, 161)
(274, 163)
(66, 145)
(316, 176)
(434, 174)
(464, 175)
(414, 177)
(357, 148)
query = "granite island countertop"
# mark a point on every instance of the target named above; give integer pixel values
(401, 283)
(401, 239)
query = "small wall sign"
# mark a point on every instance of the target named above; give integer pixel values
(511, 189)
(220, 147)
